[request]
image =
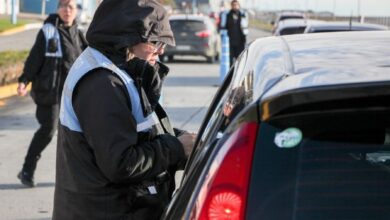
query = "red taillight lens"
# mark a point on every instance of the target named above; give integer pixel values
(225, 205)
(203, 34)
(223, 194)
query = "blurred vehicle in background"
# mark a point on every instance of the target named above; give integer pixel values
(194, 35)
(299, 129)
(293, 26)
(343, 26)
(82, 15)
(285, 15)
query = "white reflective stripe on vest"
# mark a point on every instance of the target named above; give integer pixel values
(92, 59)
(50, 31)
(151, 120)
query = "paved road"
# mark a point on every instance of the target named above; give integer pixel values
(188, 91)
(19, 41)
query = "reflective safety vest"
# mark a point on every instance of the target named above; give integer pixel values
(92, 59)
(52, 40)
(244, 21)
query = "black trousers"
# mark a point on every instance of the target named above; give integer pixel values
(235, 51)
(47, 117)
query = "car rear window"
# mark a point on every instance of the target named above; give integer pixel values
(329, 30)
(335, 166)
(187, 25)
(290, 17)
(294, 30)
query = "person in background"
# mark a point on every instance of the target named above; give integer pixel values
(235, 22)
(117, 153)
(56, 47)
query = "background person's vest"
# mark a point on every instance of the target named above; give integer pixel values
(53, 41)
(92, 59)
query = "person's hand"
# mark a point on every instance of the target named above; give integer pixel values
(188, 141)
(22, 89)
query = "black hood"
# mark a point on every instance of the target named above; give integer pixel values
(119, 24)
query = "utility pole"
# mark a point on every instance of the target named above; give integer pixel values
(43, 8)
(358, 8)
(13, 12)
(361, 16)
(194, 7)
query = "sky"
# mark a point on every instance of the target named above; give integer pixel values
(340, 7)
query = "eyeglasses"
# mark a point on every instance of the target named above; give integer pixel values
(67, 6)
(157, 46)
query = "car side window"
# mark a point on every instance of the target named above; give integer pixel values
(237, 95)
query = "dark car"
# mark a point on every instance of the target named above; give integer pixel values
(194, 35)
(343, 26)
(299, 130)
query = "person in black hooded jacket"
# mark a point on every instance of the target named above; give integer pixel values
(56, 47)
(117, 152)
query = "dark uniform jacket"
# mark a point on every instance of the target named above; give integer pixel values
(108, 170)
(233, 26)
(48, 74)
(104, 172)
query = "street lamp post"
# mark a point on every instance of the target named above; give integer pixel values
(43, 8)
(194, 7)
(13, 12)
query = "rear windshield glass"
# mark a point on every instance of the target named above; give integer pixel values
(290, 17)
(187, 25)
(321, 31)
(339, 168)
(294, 30)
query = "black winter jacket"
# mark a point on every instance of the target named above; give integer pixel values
(233, 26)
(104, 172)
(48, 74)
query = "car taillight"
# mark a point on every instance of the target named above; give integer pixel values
(223, 194)
(203, 34)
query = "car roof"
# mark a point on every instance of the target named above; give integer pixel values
(194, 17)
(336, 26)
(297, 23)
(301, 61)
(291, 13)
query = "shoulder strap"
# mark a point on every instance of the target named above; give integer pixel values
(165, 123)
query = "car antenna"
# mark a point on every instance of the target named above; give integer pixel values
(350, 21)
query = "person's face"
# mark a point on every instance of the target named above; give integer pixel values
(67, 12)
(235, 6)
(149, 51)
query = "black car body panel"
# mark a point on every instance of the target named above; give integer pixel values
(343, 26)
(332, 90)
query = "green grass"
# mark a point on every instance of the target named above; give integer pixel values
(12, 57)
(5, 24)
(260, 24)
